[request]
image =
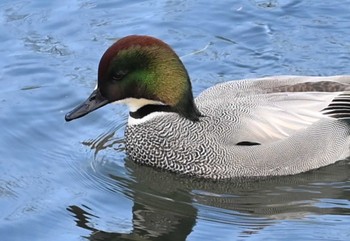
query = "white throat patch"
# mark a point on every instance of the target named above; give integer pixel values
(136, 121)
(135, 104)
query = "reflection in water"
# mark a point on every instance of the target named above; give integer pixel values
(168, 206)
(148, 224)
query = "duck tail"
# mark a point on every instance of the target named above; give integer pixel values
(339, 108)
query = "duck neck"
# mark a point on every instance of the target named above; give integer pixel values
(187, 108)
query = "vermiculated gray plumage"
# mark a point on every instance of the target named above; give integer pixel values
(259, 127)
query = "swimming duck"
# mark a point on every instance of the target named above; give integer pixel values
(271, 126)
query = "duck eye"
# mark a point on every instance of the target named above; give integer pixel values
(117, 76)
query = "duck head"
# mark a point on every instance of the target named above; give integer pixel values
(138, 71)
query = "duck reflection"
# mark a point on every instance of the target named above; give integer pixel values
(167, 206)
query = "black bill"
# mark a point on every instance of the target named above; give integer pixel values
(95, 101)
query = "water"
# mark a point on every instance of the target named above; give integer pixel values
(72, 181)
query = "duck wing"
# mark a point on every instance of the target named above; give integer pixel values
(280, 115)
(269, 109)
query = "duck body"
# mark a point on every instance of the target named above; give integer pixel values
(270, 126)
(249, 128)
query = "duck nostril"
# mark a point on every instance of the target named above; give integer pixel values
(92, 98)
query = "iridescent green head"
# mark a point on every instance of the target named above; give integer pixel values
(137, 68)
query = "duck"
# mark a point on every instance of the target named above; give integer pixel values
(255, 127)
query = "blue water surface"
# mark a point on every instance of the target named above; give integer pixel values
(73, 181)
